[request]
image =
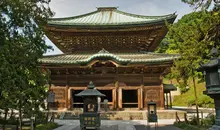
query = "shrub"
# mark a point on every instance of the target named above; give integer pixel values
(208, 121)
(48, 126)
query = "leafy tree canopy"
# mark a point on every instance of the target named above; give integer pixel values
(192, 37)
(22, 43)
(200, 4)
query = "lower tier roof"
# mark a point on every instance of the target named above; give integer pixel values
(119, 58)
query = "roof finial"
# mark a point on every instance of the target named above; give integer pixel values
(214, 52)
(103, 51)
(106, 8)
(91, 85)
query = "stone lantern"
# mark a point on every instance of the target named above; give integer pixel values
(211, 71)
(152, 111)
(90, 116)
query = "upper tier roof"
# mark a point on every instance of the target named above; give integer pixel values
(109, 16)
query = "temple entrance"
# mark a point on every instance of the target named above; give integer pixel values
(108, 94)
(109, 97)
(77, 102)
(129, 98)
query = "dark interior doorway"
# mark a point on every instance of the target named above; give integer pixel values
(129, 98)
(108, 94)
(77, 101)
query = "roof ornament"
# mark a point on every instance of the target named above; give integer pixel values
(103, 51)
(214, 52)
(91, 85)
(106, 8)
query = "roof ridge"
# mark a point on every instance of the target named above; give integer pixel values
(74, 17)
(115, 9)
(145, 16)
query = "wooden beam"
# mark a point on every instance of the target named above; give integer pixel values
(105, 88)
(77, 88)
(130, 87)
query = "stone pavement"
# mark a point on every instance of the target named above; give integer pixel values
(118, 125)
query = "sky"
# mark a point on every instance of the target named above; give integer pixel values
(68, 8)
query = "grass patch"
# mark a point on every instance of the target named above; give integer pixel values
(184, 126)
(188, 98)
(48, 126)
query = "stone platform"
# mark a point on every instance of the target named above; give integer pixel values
(119, 125)
(122, 115)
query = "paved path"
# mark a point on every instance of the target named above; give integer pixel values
(118, 125)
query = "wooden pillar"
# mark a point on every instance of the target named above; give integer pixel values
(66, 97)
(69, 99)
(116, 94)
(162, 98)
(170, 100)
(141, 93)
(114, 98)
(120, 98)
(167, 100)
(139, 99)
(116, 90)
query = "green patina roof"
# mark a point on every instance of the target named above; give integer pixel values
(169, 87)
(121, 58)
(109, 16)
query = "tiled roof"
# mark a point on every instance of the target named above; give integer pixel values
(109, 16)
(169, 87)
(121, 58)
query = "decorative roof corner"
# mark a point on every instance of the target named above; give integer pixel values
(103, 51)
(105, 55)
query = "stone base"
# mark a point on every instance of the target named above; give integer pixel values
(214, 127)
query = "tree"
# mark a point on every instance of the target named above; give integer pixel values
(21, 45)
(189, 38)
(192, 37)
(200, 4)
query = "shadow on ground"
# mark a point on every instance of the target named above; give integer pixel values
(152, 127)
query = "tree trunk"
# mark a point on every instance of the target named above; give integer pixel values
(20, 118)
(48, 111)
(5, 119)
(12, 113)
(196, 101)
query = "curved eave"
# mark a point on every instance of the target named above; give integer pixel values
(84, 63)
(116, 26)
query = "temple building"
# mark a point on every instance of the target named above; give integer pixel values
(114, 50)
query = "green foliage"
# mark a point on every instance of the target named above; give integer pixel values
(21, 45)
(192, 124)
(48, 126)
(208, 121)
(201, 4)
(191, 37)
(185, 126)
(186, 99)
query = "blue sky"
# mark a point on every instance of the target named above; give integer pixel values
(67, 8)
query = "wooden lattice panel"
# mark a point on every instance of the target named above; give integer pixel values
(139, 41)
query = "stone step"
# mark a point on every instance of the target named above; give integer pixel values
(122, 115)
